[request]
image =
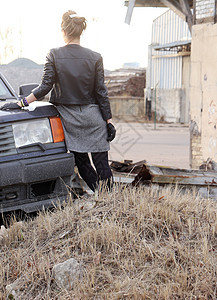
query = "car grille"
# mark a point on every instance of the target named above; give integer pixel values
(7, 144)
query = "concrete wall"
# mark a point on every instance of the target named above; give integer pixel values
(125, 107)
(167, 104)
(203, 94)
(172, 103)
(184, 100)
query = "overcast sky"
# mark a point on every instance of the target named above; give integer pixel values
(36, 29)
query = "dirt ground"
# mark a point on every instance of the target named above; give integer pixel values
(159, 144)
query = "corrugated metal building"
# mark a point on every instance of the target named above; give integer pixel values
(167, 79)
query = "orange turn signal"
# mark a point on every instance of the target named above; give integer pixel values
(57, 129)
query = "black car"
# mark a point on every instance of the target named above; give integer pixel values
(35, 168)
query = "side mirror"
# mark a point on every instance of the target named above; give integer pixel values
(26, 89)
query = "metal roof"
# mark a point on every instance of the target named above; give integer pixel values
(180, 7)
(157, 3)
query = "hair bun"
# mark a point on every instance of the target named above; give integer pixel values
(73, 24)
(78, 20)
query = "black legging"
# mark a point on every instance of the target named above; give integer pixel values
(87, 172)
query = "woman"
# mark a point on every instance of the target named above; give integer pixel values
(75, 77)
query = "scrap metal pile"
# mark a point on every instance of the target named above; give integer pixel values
(205, 182)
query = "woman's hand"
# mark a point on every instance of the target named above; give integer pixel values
(109, 121)
(18, 105)
(10, 106)
(111, 131)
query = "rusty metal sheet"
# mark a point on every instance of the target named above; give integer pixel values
(205, 182)
(167, 175)
(145, 173)
(180, 176)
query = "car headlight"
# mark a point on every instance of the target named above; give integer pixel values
(32, 131)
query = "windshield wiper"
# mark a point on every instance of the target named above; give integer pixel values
(2, 99)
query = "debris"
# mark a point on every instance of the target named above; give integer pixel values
(13, 290)
(141, 173)
(64, 234)
(13, 231)
(83, 204)
(167, 175)
(135, 85)
(67, 273)
(209, 164)
(3, 235)
(127, 166)
(126, 82)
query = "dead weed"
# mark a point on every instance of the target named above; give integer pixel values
(136, 243)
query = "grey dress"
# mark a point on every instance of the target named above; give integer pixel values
(84, 128)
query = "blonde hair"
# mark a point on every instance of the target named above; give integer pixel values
(72, 24)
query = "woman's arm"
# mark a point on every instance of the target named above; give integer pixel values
(30, 98)
(46, 85)
(101, 92)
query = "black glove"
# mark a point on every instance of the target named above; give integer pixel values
(10, 106)
(111, 132)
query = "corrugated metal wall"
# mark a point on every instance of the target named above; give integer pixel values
(169, 27)
(166, 72)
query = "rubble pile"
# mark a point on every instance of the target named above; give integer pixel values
(126, 82)
(135, 85)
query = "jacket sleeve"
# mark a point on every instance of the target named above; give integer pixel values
(101, 92)
(48, 78)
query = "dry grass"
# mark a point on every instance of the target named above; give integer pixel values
(137, 243)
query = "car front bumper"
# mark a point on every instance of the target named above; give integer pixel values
(36, 169)
(31, 184)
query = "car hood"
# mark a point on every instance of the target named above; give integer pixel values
(34, 110)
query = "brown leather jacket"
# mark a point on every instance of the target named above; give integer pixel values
(74, 75)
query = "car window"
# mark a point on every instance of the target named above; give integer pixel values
(4, 92)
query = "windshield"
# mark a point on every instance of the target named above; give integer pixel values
(4, 91)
